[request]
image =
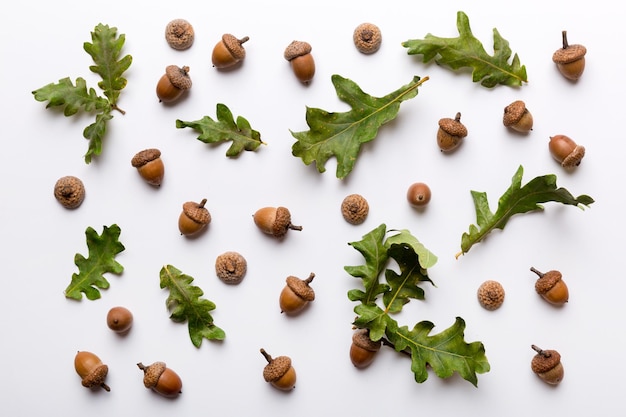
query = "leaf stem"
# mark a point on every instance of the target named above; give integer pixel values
(115, 107)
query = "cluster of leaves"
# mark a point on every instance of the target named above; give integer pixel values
(101, 259)
(225, 129)
(342, 134)
(446, 352)
(516, 200)
(186, 304)
(465, 51)
(105, 50)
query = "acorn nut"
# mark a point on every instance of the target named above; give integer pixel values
(298, 53)
(120, 320)
(173, 83)
(228, 51)
(566, 151)
(275, 221)
(546, 364)
(179, 34)
(418, 195)
(231, 267)
(91, 369)
(517, 117)
(194, 218)
(161, 379)
(149, 165)
(491, 295)
(367, 38)
(363, 349)
(69, 191)
(450, 133)
(296, 294)
(279, 372)
(570, 59)
(354, 209)
(551, 287)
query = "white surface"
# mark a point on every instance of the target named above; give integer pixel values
(42, 330)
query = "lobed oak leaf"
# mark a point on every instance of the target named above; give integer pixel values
(101, 259)
(342, 134)
(467, 51)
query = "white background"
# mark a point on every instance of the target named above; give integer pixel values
(42, 330)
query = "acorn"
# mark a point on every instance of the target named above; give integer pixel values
(149, 165)
(91, 369)
(367, 38)
(296, 294)
(161, 379)
(179, 34)
(546, 364)
(69, 191)
(354, 209)
(120, 320)
(450, 133)
(279, 372)
(228, 51)
(570, 59)
(565, 151)
(231, 267)
(194, 218)
(173, 83)
(275, 221)
(363, 349)
(517, 117)
(551, 287)
(298, 53)
(491, 295)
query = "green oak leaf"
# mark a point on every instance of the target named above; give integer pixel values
(467, 51)
(225, 129)
(186, 304)
(101, 259)
(446, 352)
(105, 51)
(516, 200)
(405, 285)
(342, 134)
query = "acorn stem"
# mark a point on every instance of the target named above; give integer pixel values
(105, 387)
(244, 40)
(537, 272)
(293, 227)
(202, 203)
(565, 44)
(310, 278)
(541, 351)
(142, 366)
(267, 356)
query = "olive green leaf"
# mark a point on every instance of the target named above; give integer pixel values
(101, 259)
(186, 304)
(225, 129)
(342, 134)
(446, 352)
(467, 51)
(105, 51)
(516, 200)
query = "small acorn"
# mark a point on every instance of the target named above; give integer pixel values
(228, 51)
(363, 349)
(517, 117)
(296, 294)
(551, 287)
(194, 218)
(570, 59)
(566, 151)
(275, 221)
(179, 34)
(69, 191)
(450, 133)
(120, 320)
(91, 369)
(161, 379)
(367, 38)
(279, 372)
(298, 53)
(231, 267)
(354, 209)
(547, 365)
(173, 83)
(149, 165)
(418, 195)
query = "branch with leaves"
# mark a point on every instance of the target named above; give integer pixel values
(90, 277)
(186, 304)
(342, 134)
(466, 51)
(516, 200)
(105, 50)
(445, 352)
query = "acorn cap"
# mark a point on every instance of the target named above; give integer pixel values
(179, 77)
(491, 295)
(547, 281)
(354, 209)
(152, 373)
(197, 212)
(453, 126)
(574, 158)
(569, 54)
(545, 360)
(234, 45)
(282, 222)
(179, 34)
(361, 338)
(96, 377)
(276, 368)
(514, 112)
(143, 157)
(367, 38)
(296, 49)
(231, 267)
(301, 287)
(69, 191)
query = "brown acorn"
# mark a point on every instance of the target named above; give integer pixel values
(275, 221)
(91, 369)
(567, 152)
(450, 133)
(149, 165)
(363, 349)
(570, 59)
(173, 83)
(551, 287)
(194, 218)
(279, 372)
(161, 379)
(296, 294)
(298, 53)
(228, 51)
(517, 117)
(547, 365)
